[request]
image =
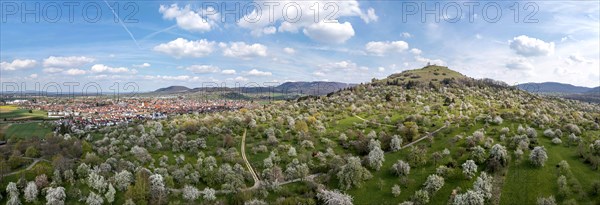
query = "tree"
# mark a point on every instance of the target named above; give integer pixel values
(292, 151)
(94, 199)
(376, 158)
(352, 173)
(421, 197)
(563, 186)
(141, 154)
(396, 143)
(55, 196)
(469, 168)
(190, 193)
(469, 198)
(96, 181)
(396, 190)
(209, 194)
(158, 191)
(110, 194)
(295, 169)
(334, 197)
(13, 194)
(433, 183)
(483, 185)
(410, 130)
(538, 156)
(478, 154)
(556, 140)
(401, 168)
(123, 179)
(57, 178)
(546, 201)
(498, 158)
(12, 190)
(31, 192)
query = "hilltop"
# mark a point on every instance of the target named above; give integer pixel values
(426, 74)
(172, 89)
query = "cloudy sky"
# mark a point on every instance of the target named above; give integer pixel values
(198, 43)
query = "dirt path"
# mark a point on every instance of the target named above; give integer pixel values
(422, 138)
(35, 161)
(409, 144)
(380, 124)
(250, 169)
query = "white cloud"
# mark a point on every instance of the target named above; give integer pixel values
(172, 78)
(18, 64)
(577, 58)
(265, 31)
(341, 65)
(255, 72)
(289, 50)
(293, 19)
(240, 78)
(478, 36)
(66, 62)
(243, 50)
(330, 32)
(527, 46)
(183, 48)
(381, 48)
(101, 68)
(228, 72)
(406, 35)
(318, 73)
(143, 65)
(186, 18)
(369, 16)
(381, 69)
(33, 75)
(75, 72)
(519, 64)
(431, 61)
(52, 70)
(416, 51)
(202, 69)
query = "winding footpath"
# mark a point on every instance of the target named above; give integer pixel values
(250, 169)
(35, 161)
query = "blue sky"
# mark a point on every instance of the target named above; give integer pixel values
(193, 43)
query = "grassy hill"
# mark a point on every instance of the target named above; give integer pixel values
(426, 74)
(350, 140)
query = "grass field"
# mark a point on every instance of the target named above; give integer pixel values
(25, 130)
(11, 112)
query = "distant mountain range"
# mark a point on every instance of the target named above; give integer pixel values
(295, 88)
(563, 90)
(553, 87)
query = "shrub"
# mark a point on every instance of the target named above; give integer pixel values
(469, 168)
(334, 197)
(538, 156)
(401, 168)
(546, 201)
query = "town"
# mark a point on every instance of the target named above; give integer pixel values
(95, 112)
